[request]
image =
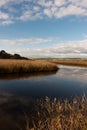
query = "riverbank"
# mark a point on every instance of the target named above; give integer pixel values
(70, 62)
(26, 66)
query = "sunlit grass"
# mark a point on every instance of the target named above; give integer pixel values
(59, 115)
(20, 66)
(44, 114)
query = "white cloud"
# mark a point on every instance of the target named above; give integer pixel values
(7, 22)
(3, 2)
(26, 10)
(59, 2)
(85, 36)
(6, 2)
(32, 41)
(26, 15)
(24, 42)
(45, 3)
(7, 42)
(64, 49)
(82, 3)
(3, 15)
(36, 8)
(30, 15)
(70, 10)
(48, 12)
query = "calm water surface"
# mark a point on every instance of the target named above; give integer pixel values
(65, 83)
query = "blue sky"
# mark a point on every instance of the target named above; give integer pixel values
(44, 28)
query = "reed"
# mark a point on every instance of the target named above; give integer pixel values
(26, 66)
(60, 115)
(43, 114)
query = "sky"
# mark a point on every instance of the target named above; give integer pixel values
(44, 28)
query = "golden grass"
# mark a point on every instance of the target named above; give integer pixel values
(59, 115)
(45, 114)
(21, 66)
(73, 62)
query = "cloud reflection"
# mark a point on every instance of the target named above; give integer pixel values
(73, 73)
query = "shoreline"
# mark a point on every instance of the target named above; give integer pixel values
(79, 63)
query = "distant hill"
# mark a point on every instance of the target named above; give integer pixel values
(5, 55)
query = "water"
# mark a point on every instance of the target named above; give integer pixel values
(65, 83)
(17, 91)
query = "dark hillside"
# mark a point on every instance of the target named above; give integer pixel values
(5, 55)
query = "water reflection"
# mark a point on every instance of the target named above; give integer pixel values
(73, 73)
(13, 110)
(21, 76)
(66, 83)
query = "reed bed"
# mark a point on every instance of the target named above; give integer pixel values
(26, 66)
(43, 114)
(59, 115)
(72, 62)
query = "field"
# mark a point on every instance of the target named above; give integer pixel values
(26, 66)
(72, 62)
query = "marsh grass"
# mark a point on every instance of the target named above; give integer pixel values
(73, 62)
(45, 114)
(59, 115)
(26, 66)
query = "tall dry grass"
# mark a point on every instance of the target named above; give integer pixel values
(59, 115)
(21, 66)
(72, 62)
(27, 114)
